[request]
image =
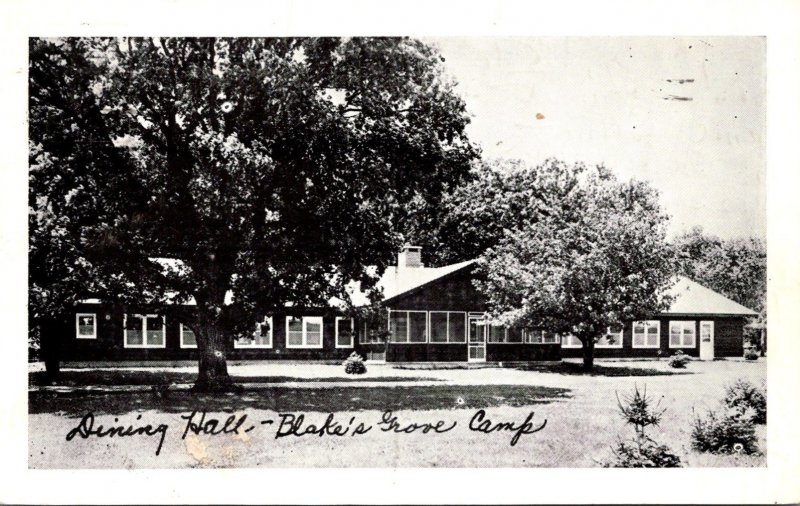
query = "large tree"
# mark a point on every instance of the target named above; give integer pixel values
(582, 252)
(736, 268)
(275, 170)
(472, 216)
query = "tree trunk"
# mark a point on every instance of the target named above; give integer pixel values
(213, 368)
(588, 353)
(763, 336)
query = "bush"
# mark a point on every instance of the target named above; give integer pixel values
(745, 397)
(355, 364)
(642, 451)
(645, 453)
(729, 432)
(679, 360)
(750, 353)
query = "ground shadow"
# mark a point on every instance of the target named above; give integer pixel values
(576, 369)
(284, 399)
(90, 377)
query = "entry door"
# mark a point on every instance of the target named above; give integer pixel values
(706, 340)
(477, 339)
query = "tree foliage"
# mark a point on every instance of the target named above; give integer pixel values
(736, 268)
(580, 251)
(273, 169)
(473, 215)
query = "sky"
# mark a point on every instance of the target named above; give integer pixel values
(686, 114)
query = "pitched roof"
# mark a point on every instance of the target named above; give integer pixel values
(398, 280)
(694, 298)
(690, 296)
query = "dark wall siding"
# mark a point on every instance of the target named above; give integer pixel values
(407, 353)
(728, 332)
(109, 344)
(728, 336)
(454, 292)
(522, 352)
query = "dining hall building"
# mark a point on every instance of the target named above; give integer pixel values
(433, 314)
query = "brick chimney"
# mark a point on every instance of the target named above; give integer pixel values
(409, 257)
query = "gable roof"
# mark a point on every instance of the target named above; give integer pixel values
(693, 298)
(396, 281)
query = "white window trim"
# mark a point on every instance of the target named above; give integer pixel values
(618, 339)
(521, 335)
(408, 327)
(571, 346)
(446, 327)
(239, 346)
(304, 320)
(542, 341)
(363, 337)
(183, 344)
(465, 324)
(78, 334)
(352, 331)
(505, 336)
(645, 345)
(145, 343)
(683, 324)
(448, 340)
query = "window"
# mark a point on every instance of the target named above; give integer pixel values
(456, 327)
(646, 334)
(363, 334)
(497, 334)
(682, 334)
(536, 336)
(188, 339)
(261, 337)
(612, 338)
(506, 335)
(344, 332)
(417, 327)
(304, 332)
(86, 326)
(514, 335)
(144, 331)
(398, 326)
(408, 326)
(570, 341)
(439, 326)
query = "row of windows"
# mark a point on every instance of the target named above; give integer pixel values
(646, 334)
(454, 327)
(148, 331)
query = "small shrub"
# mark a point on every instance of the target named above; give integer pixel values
(355, 364)
(742, 396)
(642, 451)
(161, 390)
(645, 453)
(729, 432)
(750, 354)
(679, 360)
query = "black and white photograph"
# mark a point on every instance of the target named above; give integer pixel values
(399, 251)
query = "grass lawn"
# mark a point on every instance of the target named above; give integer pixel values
(282, 399)
(582, 419)
(108, 377)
